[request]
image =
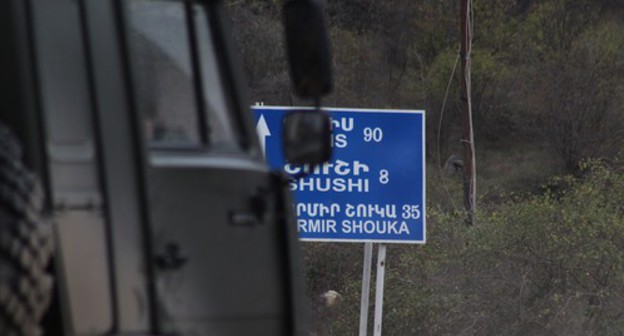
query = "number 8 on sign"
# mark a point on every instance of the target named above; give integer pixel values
(384, 176)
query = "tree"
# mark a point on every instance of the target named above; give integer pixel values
(576, 97)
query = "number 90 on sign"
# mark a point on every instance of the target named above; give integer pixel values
(373, 134)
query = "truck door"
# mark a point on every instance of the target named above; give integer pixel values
(218, 235)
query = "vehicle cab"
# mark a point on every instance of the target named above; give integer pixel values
(166, 218)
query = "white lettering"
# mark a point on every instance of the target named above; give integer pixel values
(380, 227)
(358, 166)
(317, 209)
(342, 168)
(346, 124)
(359, 185)
(328, 184)
(292, 170)
(340, 141)
(301, 225)
(316, 225)
(371, 210)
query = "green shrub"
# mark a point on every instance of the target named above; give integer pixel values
(554, 262)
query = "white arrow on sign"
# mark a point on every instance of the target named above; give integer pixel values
(263, 132)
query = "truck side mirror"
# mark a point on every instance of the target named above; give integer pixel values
(308, 48)
(307, 137)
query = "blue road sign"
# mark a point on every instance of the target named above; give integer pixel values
(373, 190)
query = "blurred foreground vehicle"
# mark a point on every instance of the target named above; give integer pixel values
(133, 191)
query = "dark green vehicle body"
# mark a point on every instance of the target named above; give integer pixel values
(166, 219)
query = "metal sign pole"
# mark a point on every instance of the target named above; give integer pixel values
(366, 277)
(379, 289)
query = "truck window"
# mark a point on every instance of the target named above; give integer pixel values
(220, 122)
(179, 85)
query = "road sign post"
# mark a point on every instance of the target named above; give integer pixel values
(379, 289)
(366, 276)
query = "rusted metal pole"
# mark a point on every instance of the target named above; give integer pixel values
(470, 171)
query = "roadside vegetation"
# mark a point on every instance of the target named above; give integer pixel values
(546, 253)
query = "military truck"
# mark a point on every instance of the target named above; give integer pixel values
(134, 197)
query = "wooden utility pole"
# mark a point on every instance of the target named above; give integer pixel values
(470, 171)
